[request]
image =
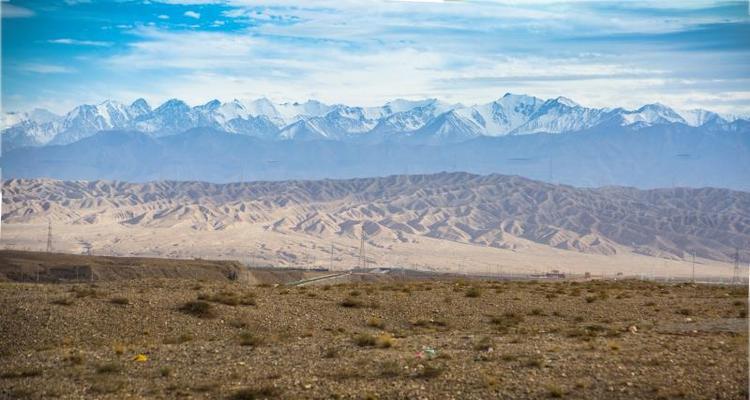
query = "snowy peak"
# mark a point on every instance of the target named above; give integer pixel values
(139, 107)
(426, 120)
(651, 114)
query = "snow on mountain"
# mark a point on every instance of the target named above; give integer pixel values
(504, 115)
(302, 130)
(292, 112)
(651, 114)
(12, 118)
(560, 115)
(700, 117)
(429, 120)
(139, 107)
(28, 133)
(408, 116)
(343, 121)
(449, 127)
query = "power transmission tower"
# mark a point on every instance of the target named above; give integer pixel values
(736, 274)
(331, 256)
(49, 236)
(693, 267)
(362, 260)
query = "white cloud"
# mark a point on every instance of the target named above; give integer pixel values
(80, 42)
(41, 68)
(190, 2)
(162, 16)
(12, 11)
(369, 52)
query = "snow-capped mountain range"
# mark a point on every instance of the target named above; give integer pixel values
(425, 121)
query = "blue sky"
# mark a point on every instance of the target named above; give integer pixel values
(687, 54)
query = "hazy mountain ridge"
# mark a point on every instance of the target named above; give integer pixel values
(648, 157)
(492, 210)
(426, 121)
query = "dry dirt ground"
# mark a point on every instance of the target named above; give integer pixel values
(182, 338)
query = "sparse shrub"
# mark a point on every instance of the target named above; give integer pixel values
(555, 391)
(590, 299)
(350, 302)
(489, 381)
(165, 372)
(364, 340)
(249, 339)
(385, 341)
(473, 292)
(390, 369)
(536, 312)
(119, 349)
(205, 387)
(330, 352)
(238, 323)
(484, 344)
(230, 298)
(375, 322)
(506, 321)
(21, 373)
(684, 311)
(109, 368)
(198, 308)
(75, 358)
(355, 293)
(263, 392)
(534, 362)
(429, 371)
(122, 301)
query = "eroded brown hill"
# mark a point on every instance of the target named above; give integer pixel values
(492, 210)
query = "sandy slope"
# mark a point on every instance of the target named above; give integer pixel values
(444, 221)
(254, 245)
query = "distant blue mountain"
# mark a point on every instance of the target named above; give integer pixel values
(663, 155)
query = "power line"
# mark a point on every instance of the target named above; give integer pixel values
(49, 236)
(736, 274)
(362, 260)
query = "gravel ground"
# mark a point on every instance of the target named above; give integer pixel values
(387, 340)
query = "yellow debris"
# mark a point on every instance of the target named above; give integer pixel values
(140, 358)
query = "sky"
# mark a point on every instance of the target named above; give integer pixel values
(686, 54)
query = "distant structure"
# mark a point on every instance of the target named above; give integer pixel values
(362, 259)
(49, 236)
(736, 275)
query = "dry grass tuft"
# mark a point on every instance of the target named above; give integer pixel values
(199, 309)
